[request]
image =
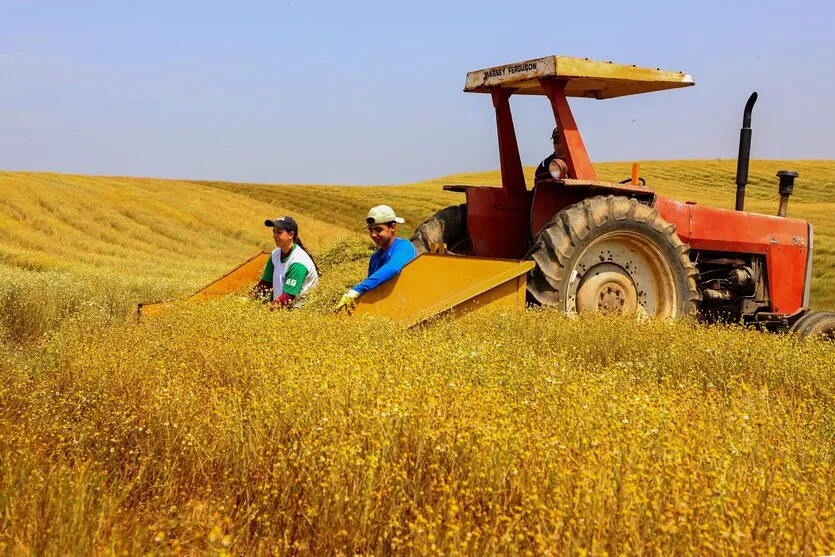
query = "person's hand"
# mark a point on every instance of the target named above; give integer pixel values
(260, 291)
(348, 301)
(283, 301)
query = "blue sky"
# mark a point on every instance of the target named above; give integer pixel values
(371, 92)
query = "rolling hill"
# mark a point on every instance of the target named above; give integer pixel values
(224, 428)
(116, 241)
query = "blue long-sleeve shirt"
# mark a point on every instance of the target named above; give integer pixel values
(385, 265)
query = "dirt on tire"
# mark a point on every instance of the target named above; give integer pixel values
(564, 240)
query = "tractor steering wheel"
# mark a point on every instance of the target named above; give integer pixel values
(628, 180)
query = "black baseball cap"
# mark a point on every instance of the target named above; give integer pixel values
(286, 223)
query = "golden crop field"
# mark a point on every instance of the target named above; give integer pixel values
(224, 428)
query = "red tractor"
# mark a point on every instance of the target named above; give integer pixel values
(620, 247)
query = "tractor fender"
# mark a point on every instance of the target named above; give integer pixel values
(551, 196)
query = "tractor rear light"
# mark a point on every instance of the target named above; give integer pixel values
(558, 169)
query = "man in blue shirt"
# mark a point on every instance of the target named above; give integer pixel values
(391, 256)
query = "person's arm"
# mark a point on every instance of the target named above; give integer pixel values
(402, 253)
(262, 289)
(293, 280)
(348, 301)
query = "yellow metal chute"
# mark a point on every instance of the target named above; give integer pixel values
(245, 275)
(433, 284)
(429, 285)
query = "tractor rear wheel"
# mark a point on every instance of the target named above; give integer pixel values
(613, 255)
(819, 324)
(447, 226)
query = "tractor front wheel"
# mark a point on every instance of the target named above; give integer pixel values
(447, 226)
(820, 324)
(613, 255)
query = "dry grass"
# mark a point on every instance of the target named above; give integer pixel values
(73, 244)
(224, 428)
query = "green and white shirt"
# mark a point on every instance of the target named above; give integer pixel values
(293, 274)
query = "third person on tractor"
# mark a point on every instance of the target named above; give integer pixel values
(554, 165)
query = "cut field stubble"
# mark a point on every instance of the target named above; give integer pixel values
(227, 428)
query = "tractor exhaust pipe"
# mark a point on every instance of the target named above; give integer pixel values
(744, 152)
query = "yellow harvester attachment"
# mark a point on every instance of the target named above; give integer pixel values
(242, 277)
(429, 285)
(432, 284)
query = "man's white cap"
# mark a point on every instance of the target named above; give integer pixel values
(382, 214)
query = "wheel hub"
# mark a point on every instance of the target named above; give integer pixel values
(612, 299)
(607, 288)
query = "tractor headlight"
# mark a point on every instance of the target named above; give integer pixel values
(558, 169)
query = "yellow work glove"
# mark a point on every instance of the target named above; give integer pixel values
(348, 301)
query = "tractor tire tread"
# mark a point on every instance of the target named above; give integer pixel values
(561, 237)
(815, 323)
(447, 226)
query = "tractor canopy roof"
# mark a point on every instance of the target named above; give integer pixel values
(583, 78)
